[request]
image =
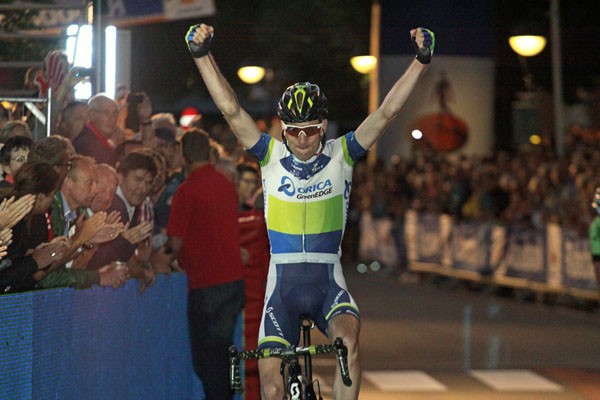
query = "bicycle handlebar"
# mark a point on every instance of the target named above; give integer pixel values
(338, 347)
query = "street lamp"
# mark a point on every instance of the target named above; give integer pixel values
(367, 64)
(527, 41)
(527, 45)
(251, 74)
(557, 86)
(526, 109)
(364, 64)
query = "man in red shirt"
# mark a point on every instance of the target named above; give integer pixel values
(204, 237)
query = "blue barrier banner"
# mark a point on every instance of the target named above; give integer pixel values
(16, 347)
(525, 255)
(471, 244)
(576, 264)
(99, 343)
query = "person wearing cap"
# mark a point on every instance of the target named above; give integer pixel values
(306, 183)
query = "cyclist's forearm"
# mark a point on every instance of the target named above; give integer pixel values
(222, 94)
(217, 85)
(373, 126)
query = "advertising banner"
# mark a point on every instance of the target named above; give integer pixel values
(471, 244)
(423, 237)
(577, 268)
(525, 255)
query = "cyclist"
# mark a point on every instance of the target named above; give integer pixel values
(306, 184)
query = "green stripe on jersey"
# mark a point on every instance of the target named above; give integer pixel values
(347, 157)
(286, 216)
(265, 160)
(325, 215)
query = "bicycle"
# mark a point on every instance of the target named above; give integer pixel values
(299, 386)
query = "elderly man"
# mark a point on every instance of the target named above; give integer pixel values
(77, 191)
(108, 180)
(94, 139)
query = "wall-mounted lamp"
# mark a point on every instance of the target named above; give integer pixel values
(364, 64)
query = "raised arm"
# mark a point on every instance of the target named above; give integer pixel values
(373, 126)
(198, 39)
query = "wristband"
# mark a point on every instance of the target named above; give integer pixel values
(197, 50)
(424, 54)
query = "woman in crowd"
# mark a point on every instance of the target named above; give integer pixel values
(33, 249)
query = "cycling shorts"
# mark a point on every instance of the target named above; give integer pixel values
(316, 290)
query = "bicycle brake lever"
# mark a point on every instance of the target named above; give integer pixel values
(341, 352)
(234, 371)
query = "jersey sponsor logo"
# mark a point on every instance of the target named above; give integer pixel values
(319, 189)
(287, 186)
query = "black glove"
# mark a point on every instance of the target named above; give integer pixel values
(197, 50)
(424, 54)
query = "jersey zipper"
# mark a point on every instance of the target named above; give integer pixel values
(304, 227)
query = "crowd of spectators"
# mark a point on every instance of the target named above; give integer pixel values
(90, 204)
(531, 186)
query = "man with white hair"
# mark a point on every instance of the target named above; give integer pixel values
(94, 139)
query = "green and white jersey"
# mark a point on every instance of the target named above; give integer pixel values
(306, 202)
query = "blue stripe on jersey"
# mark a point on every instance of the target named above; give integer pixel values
(323, 242)
(354, 148)
(260, 149)
(305, 170)
(285, 243)
(318, 243)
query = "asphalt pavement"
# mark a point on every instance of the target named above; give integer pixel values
(427, 337)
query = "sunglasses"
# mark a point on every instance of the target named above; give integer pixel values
(308, 131)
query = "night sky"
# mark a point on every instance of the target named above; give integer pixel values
(164, 69)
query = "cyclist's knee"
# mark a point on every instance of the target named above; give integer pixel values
(271, 390)
(346, 327)
(270, 378)
(351, 342)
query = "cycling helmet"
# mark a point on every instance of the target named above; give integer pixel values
(302, 102)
